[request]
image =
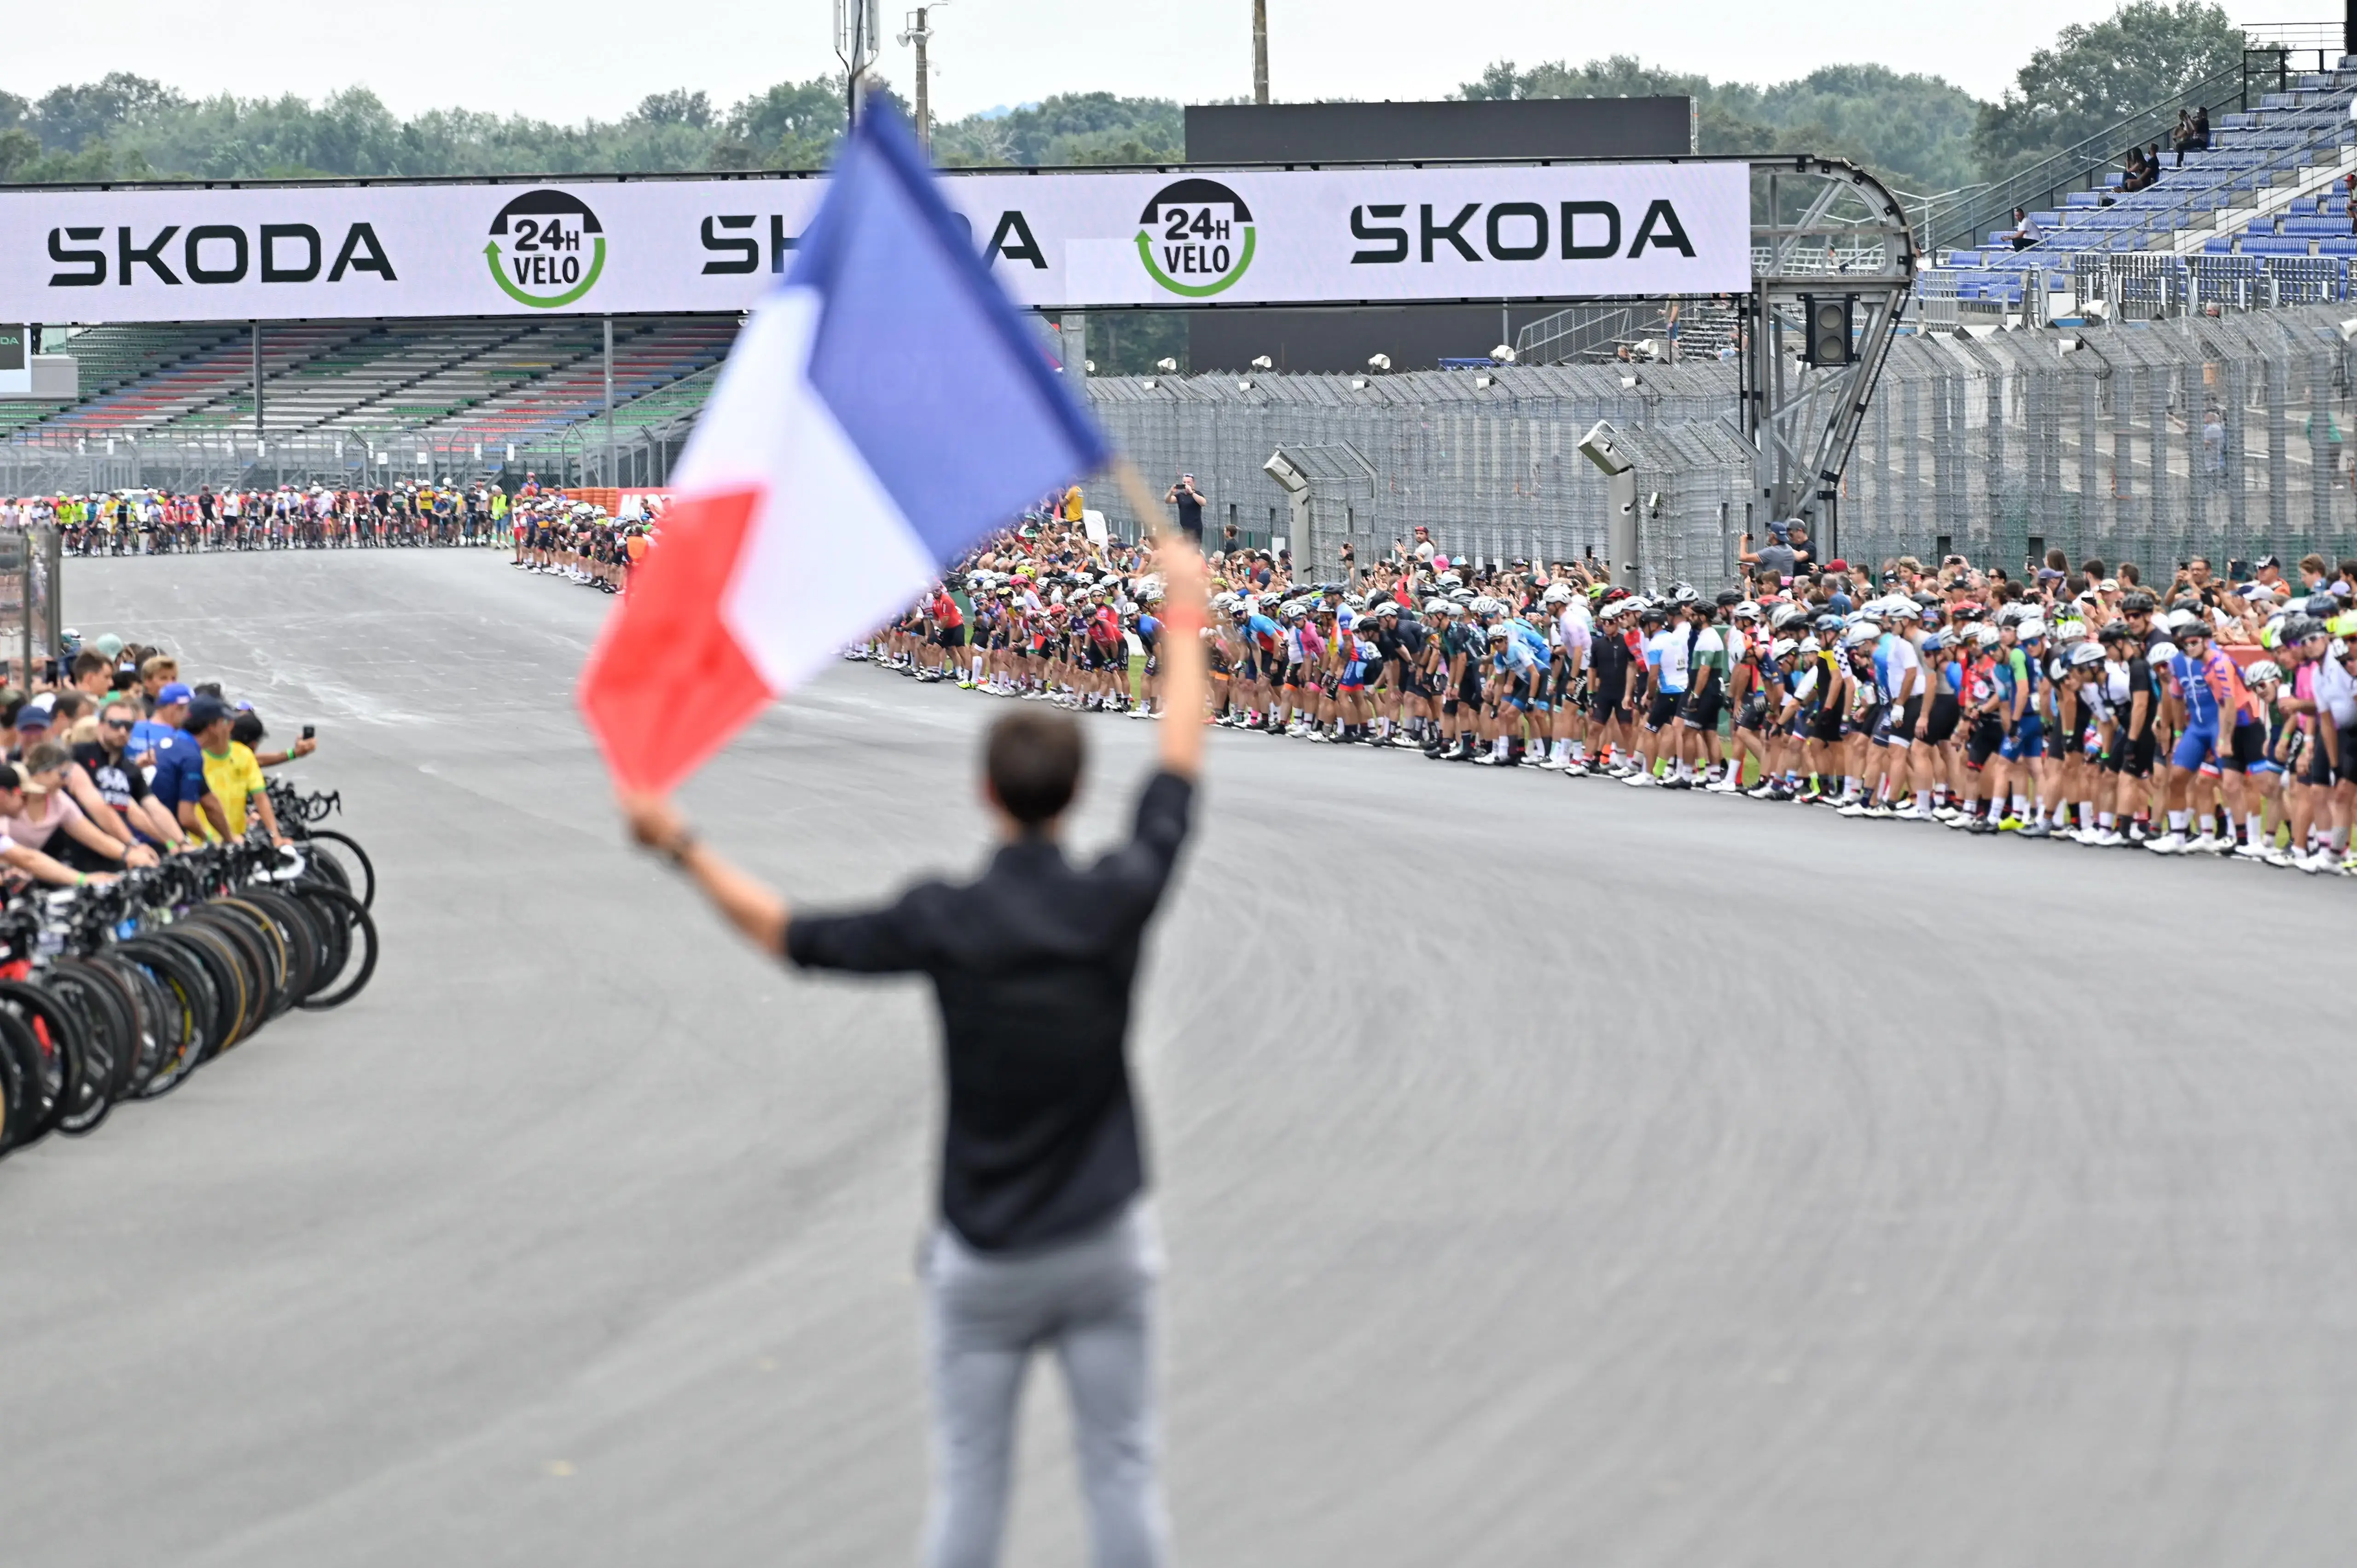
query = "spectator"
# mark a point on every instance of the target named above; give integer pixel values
(1189, 501)
(2182, 138)
(2025, 232)
(23, 862)
(233, 778)
(44, 809)
(164, 718)
(2201, 129)
(112, 771)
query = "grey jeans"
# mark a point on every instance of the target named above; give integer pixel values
(1092, 1298)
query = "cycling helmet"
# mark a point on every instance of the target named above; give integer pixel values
(1746, 610)
(2262, 670)
(2195, 627)
(2084, 654)
(1600, 590)
(1352, 601)
(2032, 629)
(1787, 615)
(2323, 607)
(1906, 609)
(2115, 631)
(1461, 596)
(1558, 594)
(1985, 637)
(1728, 598)
(2006, 615)
(1388, 608)
(1438, 608)
(1862, 635)
(1684, 594)
(1294, 611)
(1782, 647)
(2137, 602)
(2162, 652)
(1499, 633)
(2178, 620)
(1448, 580)
(2299, 629)
(1811, 645)
(1933, 642)
(1828, 625)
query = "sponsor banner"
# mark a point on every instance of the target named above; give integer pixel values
(1057, 241)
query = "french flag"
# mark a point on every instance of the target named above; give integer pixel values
(883, 410)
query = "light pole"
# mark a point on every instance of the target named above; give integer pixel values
(919, 34)
(1260, 50)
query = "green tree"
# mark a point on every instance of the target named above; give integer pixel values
(69, 118)
(1912, 130)
(19, 150)
(2097, 74)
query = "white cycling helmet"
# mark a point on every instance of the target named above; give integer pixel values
(2083, 654)
(2263, 670)
(1558, 594)
(1811, 645)
(1499, 633)
(2160, 653)
(1782, 647)
(1747, 610)
(1438, 608)
(1862, 635)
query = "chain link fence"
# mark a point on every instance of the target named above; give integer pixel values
(1488, 460)
(2219, 436)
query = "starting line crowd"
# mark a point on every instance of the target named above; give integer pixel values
(2075, 704)
(548, 529)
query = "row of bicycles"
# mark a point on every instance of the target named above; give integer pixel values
(119, 991)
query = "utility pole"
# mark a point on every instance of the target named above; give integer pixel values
(855, 44)
(1260, 50)
(919, 34)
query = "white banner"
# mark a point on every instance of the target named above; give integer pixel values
(1058, 241)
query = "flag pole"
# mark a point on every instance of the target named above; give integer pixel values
(1142, 500)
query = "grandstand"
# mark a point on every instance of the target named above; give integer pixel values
(2259, 217)
(340, 391)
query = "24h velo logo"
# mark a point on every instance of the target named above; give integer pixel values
(557, 249)
(1195, 237)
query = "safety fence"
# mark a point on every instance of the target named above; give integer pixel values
(43, 462)
(2224, 435)
(1488, 460)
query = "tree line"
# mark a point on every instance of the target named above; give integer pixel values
(1920, 133)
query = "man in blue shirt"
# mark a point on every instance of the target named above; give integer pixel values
(179, 783)
(147, 734)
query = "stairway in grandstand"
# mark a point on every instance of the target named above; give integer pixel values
(2258, 218)
(494, 381)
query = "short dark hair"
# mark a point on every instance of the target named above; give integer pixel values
(88, 660)
(1034, 761)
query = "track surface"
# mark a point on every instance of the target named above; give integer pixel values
(1553, 1172)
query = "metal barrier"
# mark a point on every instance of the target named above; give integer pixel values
(31, 563)
(2223, 434)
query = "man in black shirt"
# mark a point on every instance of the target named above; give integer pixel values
(1189, 501)
(1043, 1236)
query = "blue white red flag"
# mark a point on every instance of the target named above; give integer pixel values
(884, 409)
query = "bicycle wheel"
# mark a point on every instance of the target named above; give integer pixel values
(109, 1041)
(298, 943)
(234, 984)
(103, 990)
(44, 1081)
(171, 998)
(345, 858)
(61, 1034)
(352, 936)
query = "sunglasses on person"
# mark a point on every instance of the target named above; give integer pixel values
(114, 724)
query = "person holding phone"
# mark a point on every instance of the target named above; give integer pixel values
(1190, 502)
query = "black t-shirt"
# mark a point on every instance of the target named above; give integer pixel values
(1032, 965)
(1190, 514)
(120, 782)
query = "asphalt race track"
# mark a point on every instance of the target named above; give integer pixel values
(1553, 1172)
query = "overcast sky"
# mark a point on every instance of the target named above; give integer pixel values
(563, 59)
